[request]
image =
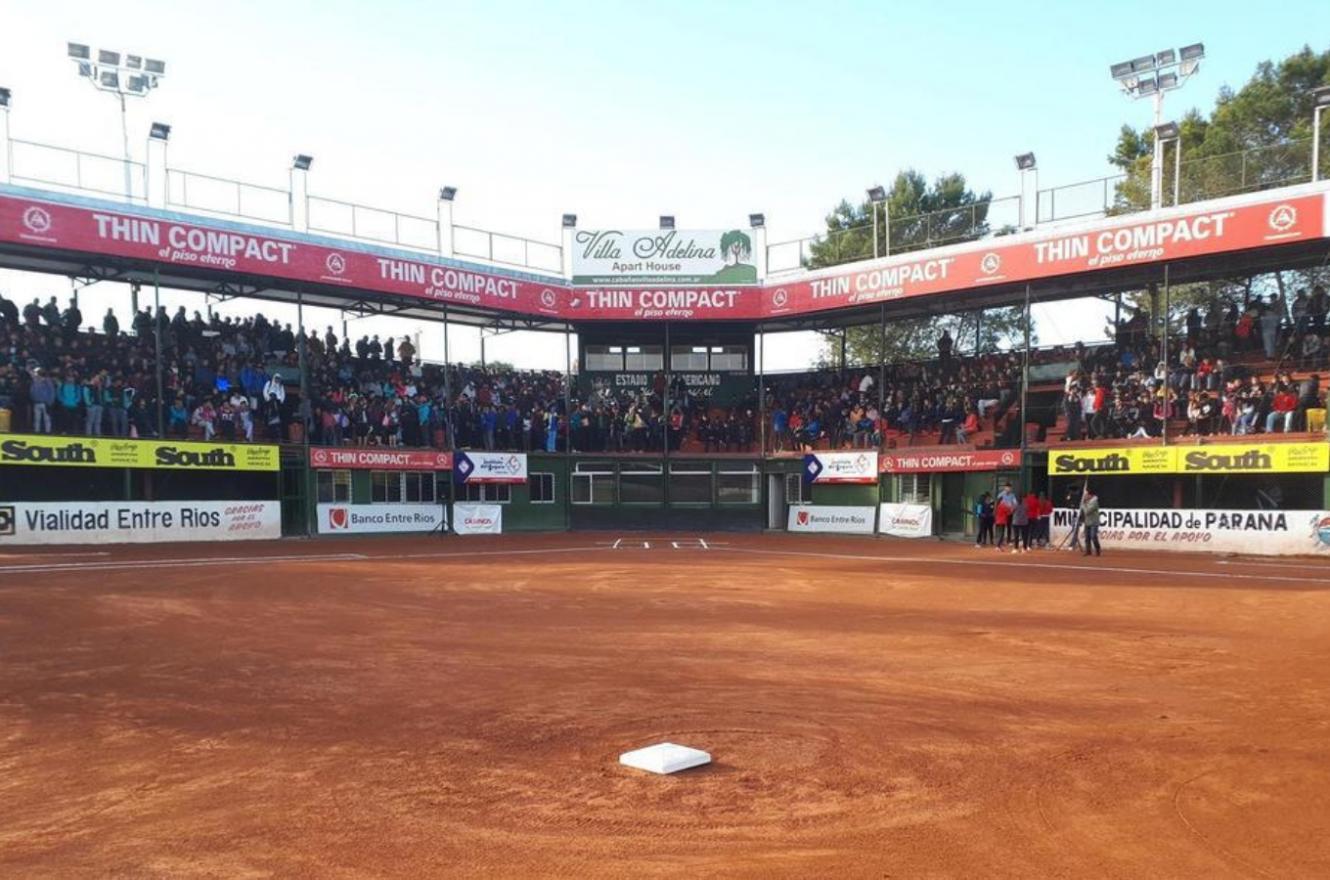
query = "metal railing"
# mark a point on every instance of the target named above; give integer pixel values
(977, 220)
(336, 217)
(508, 250)
(1244, 171)
(231, 198)
(76, 170)
(1089, 198)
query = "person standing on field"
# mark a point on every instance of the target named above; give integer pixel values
(1090, 516)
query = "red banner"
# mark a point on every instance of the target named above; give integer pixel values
(1238, 224)
(1172, 235)
(379, 459)
(937, 462)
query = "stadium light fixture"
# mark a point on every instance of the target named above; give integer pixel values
(757, 221)
(5, 95)
(1168, 131)
(120, 74)
(569, 221)
(1150, 76)
(1320, 100)
(301, 162)
(447, 193)
(1025, 162)
(666, 221)
(877, 194)
(160, 131)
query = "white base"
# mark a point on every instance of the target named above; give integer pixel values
(665, 758)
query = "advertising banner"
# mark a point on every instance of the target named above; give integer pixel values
(840, 467)
(478, 519)
(906, 520)
(1258, 532)
(353, 519)
(653, 274)
(138, 522)
(367, 459)
(825, 518)
(489, 467)
(47, 450)
(663, 256)
(1215, 458)
(1176, 234)
(937, 462)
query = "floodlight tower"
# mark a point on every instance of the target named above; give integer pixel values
(122, 75)
(1150, 76)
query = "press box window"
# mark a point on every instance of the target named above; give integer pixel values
(593, 482)
(333, 486)
(494, 493)
(641, 484)
(914, 489)
(541, 488)
(739, 484)
(690, 483)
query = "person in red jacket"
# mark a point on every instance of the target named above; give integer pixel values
(1002, 521)
(1045, 519)
(1282, 409)
(1031, 503)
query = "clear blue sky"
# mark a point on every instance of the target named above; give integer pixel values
(622, 111)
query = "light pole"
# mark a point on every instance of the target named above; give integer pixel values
(1321, 95)
(122, 75)
(1026, 162)
(877, 195)
(1169, 131)
(1150, 76)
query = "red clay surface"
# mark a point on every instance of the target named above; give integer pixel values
(455, 708)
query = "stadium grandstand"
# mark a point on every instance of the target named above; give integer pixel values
(747, 564)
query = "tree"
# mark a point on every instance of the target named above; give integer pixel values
(920, 216)
(1255, 138)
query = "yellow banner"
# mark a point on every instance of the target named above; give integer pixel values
(1216, 458)
(45, 450)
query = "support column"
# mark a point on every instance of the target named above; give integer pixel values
(306, 410)
(444, 216)
(1025, 380)
(567, 394)
(1163, 355)
(156, 182)
(665, 398)
(157, 342)
(449, 431)
(882, 364)
(761, 393)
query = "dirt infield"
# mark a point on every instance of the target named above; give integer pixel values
(455, 708)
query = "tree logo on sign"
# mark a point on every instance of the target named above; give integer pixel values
(336, 263)
(990, 263)
(736, 247)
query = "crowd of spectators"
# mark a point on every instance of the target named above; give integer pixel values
(1229, 370)
(239, 379)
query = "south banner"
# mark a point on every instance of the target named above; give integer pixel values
(45, 450)
(1215, 458)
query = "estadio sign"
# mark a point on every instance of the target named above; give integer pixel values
(47, 450)
(1216, 458)
(360, 519)
(905, 520)
(668, 256)
(139, 522)
(654, 274)
(477, 519)
(489, 467)
(1258, 532)
(826, 518)
(366, 459)
(840, 467)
